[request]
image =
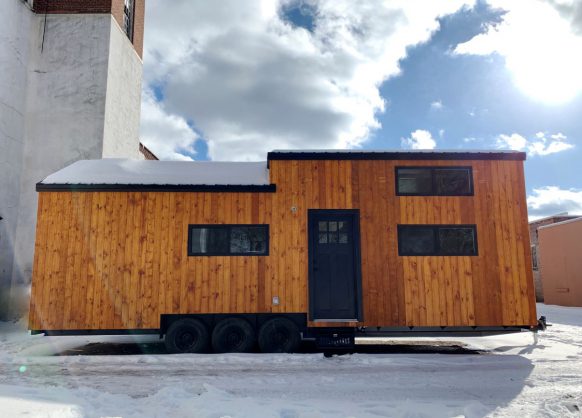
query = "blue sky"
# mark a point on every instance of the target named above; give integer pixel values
(228, 81)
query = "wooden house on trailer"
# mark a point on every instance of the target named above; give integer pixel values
(324, 245)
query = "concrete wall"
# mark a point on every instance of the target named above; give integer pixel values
(15, 22)
(83, 85)
(560, 254)
(123, 101)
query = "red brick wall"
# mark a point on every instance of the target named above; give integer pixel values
(72, 6)
(115, 7)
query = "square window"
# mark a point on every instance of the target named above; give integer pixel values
(414, 181)
(323, 226)
(457, 241)
(416, 240)
(453, 181)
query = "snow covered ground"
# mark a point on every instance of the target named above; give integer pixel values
(512, 375)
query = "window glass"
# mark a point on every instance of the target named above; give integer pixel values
(452, 181)
(414, 181)
(248, 239)
(228, 240)
(209, 240)
(416, 240)
(457, 241)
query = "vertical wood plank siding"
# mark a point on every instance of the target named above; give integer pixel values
(117, 260)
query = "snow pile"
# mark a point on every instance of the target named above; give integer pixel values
(515, 376)
(120, 171)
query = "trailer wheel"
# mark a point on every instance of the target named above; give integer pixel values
(233, 335)
(279, 335)
(187, 336)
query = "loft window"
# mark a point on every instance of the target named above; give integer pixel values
(438, 240)
(128, 14)
(228, 240)
(434, 181)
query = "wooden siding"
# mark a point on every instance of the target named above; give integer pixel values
(117, 260)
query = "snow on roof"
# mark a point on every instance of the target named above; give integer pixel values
(120, 171)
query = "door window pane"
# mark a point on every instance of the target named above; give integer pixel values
(323, 226)
(323, 237)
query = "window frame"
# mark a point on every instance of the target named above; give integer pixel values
(437, 250)
(432, 170)
(229, 226)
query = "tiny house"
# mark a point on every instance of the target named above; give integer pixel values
(323, 245)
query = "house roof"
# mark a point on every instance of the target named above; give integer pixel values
(113, 174)
(335, 154)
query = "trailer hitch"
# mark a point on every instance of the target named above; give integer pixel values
(542, 324)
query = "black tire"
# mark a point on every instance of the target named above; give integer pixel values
(279, 335)
(233, 335)
(187, 336)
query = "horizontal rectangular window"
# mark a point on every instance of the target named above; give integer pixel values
(434, 181)
(442, 240)
(230, 240)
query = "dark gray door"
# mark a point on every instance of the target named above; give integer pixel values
(334, 279)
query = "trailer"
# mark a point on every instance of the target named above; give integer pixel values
(321, 245)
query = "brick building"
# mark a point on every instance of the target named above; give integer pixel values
(70, 89)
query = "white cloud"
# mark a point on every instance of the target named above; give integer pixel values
(550, 200)
(166, 135)
(541, 145)
(541, 42)
(252, 82)
(436, 105)
(419, 139)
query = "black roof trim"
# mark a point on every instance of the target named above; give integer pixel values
(395, 155)
(233, 188)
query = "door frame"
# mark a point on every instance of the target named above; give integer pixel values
(355, 216)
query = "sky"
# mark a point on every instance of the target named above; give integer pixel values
(230, 80)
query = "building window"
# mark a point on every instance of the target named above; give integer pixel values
(434, 181)
(439, 240)
(230, 240)
(534, 256)
(128, 15)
